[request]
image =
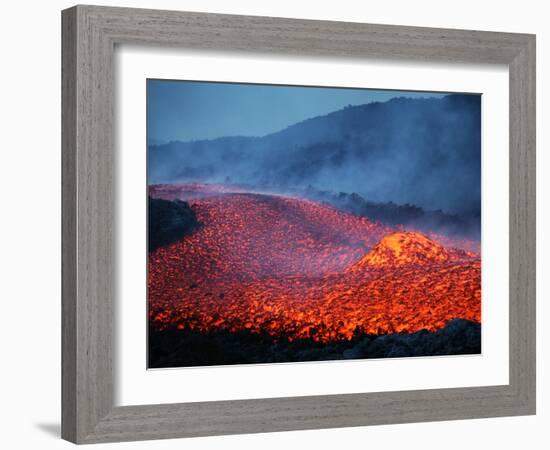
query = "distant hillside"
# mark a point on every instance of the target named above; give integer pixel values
(424, 152)
(465, 224)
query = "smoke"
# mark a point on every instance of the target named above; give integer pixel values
(425, 152)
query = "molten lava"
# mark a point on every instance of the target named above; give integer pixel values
(293, 268)
(405, 249)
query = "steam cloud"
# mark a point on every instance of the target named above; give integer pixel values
(425, 152)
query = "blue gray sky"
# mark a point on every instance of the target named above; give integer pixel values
(192, 110)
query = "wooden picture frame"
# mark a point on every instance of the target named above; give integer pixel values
(90, 34)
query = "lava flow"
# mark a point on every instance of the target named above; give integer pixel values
(292, 268)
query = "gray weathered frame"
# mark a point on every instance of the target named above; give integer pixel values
(89, 36)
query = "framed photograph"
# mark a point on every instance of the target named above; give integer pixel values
(278, 224)
(266, 249)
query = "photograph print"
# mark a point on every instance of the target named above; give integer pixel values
(290, 224)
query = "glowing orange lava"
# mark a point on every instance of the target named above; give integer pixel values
(294, 268)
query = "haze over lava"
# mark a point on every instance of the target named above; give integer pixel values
(293, 268)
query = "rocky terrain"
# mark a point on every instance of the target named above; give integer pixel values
(269, 270)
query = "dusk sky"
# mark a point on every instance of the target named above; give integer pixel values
(190, 110)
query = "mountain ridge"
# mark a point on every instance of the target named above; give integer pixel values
(431, 145)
